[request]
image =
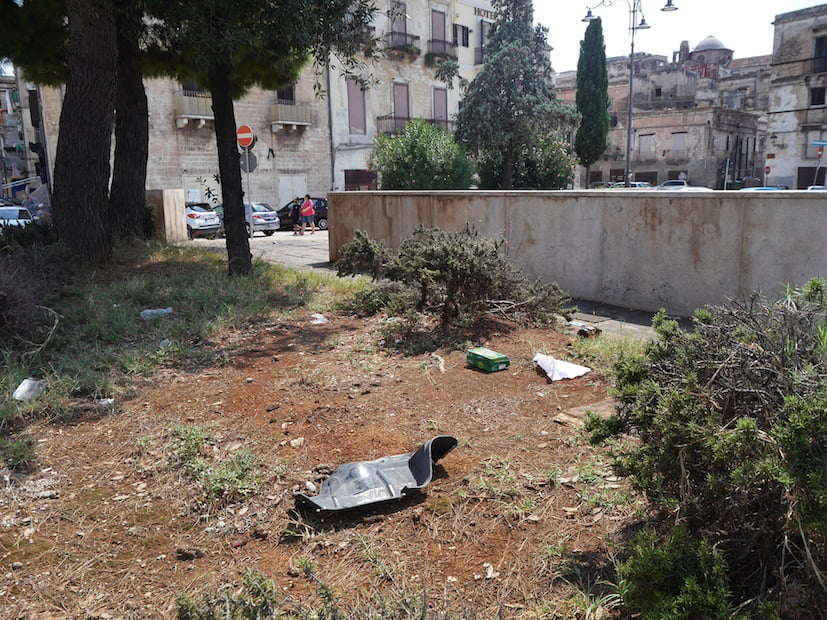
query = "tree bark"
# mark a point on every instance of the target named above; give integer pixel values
(81, 179)
(508, 167)
(127, 199)
(229, 167)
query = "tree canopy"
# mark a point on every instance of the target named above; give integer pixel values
(592, 97)
(511, 101)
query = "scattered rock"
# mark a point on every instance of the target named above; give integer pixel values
(298, 442)
(294, 571)
(48, 494)
(188, 553)
(17, 565)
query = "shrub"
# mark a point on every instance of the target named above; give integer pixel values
(422, 157)
(547, 163)
(731, 418)
(458, 276)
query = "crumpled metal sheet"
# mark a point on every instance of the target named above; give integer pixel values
(390, 477)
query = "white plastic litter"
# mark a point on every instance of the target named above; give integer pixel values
(151, 313)
(559, 369)
(318, 319)
(29, 389)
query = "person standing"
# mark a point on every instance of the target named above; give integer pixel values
(308, 215)
(295, 214)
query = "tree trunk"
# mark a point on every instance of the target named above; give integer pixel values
(81, 182)
(508, 168)
(229, 167)
(127, 200)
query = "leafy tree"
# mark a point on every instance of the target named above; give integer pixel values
(592, 97)
(232, 45)
(422, 157)
(546, 164)
(511, 101)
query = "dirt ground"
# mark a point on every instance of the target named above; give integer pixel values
(518, 517)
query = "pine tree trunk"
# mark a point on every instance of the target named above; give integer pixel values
(229, 167)
(81, 180)
(127, 200)
(508, 167)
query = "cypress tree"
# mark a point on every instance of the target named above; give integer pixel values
(592, 97)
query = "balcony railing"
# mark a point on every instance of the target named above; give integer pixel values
(442, 49)
(394, 125)
(479, 55)
(391, 124)
(404, 42)
(289, 115)
(193, 105)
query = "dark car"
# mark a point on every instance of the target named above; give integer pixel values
(320, 205)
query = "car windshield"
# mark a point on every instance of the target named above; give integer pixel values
(260, 207)
(14, 213)
(198, 208)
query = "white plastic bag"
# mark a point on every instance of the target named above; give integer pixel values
(559, 369)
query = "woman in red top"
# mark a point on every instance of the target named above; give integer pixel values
(308, 215)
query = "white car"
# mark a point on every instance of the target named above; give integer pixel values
(11, 215)
(202, 221)
(673, 184)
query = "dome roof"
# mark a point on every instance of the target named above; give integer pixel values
(710, 43)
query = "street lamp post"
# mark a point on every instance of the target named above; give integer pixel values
(634, 8)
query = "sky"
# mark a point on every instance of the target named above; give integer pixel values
(744, 26)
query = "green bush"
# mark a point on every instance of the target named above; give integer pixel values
(547, 163)
(675, 577)
(421, 157)
(458, 276)
(731, 420)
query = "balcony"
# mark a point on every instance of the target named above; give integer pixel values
(289, 116)
(194, 107)
(442, 49)
(403, 43)
(394, 125)
(391, 124)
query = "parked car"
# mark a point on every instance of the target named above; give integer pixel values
(762, 188)
(265, 218)
(319, 204)
(673, 184)
(817, 188)
(12, 215)
(202, 220)
(634, 185)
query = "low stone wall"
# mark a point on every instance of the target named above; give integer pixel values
(641, 249)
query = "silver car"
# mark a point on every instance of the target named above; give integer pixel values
(202, 221)
(11, 215)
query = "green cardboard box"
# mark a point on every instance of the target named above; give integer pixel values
(486, 359)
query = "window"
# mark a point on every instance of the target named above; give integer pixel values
(286, 95)
(356, 107)
(817, 95)
(658, 92)
(811, 133)
(441, 106)
(399, 24)
(679, 145)
(461, 35)
(647, 146)
(820, 55)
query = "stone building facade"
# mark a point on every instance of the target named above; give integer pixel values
(699, 116)
(307, 143)
(797, 112)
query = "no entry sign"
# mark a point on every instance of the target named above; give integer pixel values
(245, 136)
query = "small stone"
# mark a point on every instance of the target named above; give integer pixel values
(298, 442)
(188, 553)
(294, 571)
(17, 565)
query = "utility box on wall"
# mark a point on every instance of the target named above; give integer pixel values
(168, 212)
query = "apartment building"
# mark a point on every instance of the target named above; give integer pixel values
(308, 143)
(797, 112)
(699, 116)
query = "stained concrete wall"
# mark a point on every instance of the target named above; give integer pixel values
(641, 249)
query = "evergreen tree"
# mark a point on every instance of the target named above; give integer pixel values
(511, 101)
(592, 97)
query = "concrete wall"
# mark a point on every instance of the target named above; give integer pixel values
(643, 249)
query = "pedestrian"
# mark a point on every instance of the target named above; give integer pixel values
(295, 214)
(308, 215)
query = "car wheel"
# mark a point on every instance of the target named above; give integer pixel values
(322, 224)
(247, 228)
(268, 232)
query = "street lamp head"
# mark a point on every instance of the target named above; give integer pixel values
(642, 25)
(589, 16)
(669, 6)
